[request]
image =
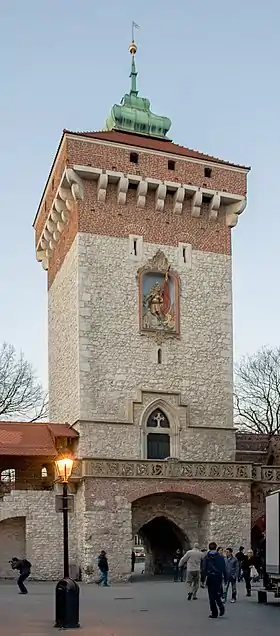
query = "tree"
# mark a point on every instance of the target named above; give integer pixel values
(257, 393)
(21, 394)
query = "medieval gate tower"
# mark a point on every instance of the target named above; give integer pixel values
(135, 234)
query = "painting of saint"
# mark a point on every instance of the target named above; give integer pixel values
(159, 298)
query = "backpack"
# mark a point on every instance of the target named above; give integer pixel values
(26, 564)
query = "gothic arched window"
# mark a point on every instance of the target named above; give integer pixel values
(158, 419)
(158, 441)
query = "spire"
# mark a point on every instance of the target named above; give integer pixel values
(132, 50)
(133, 74)
(134, 114)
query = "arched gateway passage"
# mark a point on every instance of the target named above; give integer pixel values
(162, 538)
(166, 522)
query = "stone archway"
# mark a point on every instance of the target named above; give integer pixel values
(168, 521)
(13, 543)
(162, 538)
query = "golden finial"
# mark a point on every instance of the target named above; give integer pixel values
(132, 47)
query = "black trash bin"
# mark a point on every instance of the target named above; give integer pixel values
(67, 604)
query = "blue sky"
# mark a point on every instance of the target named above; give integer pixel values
(213, 67)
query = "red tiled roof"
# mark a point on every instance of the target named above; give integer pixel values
(62, 430)
(152, 144)
(32, 438)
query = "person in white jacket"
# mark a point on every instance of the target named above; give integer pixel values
(193, 561)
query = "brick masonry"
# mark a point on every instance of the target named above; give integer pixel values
(108, 218)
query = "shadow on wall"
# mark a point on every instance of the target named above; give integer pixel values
(12, 543)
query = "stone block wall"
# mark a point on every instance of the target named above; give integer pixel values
(115, 359)
(230, 524)
(98, 359)
(63, 337)
(12, 543)
(43, 537)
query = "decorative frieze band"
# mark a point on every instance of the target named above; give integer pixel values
(169, 469)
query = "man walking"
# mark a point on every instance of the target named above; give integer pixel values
(193, 561)
(176, 568)
(214, 569)
(24, 568)
(104, 568)
(240, 558)
(231, 568)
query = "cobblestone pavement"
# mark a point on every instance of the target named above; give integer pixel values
(138, 609)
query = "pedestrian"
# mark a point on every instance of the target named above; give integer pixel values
(104, 569)
(193, 562)
(24, 567)
(240, 558)
(231, 567)
(221, 552)
(214, 569)
(247, 564)
(133, 559)
(176, 562)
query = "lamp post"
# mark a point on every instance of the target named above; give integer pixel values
(67, 590)
(64, 465)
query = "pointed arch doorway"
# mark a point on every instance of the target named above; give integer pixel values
(162, 538)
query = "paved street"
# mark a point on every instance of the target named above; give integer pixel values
(152, 608)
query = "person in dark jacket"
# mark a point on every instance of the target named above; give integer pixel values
(214, 569)
(232, 571)
(24, 568)
(133, 559)
(178, 575)
(240, 558)
(104, 569)
(247, 563)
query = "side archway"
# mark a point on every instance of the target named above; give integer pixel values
(13, 543)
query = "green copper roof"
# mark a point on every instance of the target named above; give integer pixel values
(134, 114)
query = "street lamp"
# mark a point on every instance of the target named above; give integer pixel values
(67, 590)
(64, 465)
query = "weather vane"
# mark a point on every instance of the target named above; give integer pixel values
(134, 26)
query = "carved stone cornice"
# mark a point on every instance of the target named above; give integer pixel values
(234, 203)
(69, 192)
(233, 212)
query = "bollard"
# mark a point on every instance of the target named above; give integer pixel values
(67, 604)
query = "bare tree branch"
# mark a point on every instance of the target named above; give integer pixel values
(21, 394)
(257, 393)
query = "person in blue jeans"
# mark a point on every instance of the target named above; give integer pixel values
(214, 570)
(104, 569)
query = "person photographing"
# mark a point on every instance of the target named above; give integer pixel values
(24, 568)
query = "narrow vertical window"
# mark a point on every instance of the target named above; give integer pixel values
(135, 247)
(159, 356)
(184, 255)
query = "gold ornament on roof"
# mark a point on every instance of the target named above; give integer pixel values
(132, 48)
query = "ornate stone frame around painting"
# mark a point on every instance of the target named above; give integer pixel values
(159, 265)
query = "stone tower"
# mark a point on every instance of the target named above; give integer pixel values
(135, 234)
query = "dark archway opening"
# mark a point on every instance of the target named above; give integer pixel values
(162, 538)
